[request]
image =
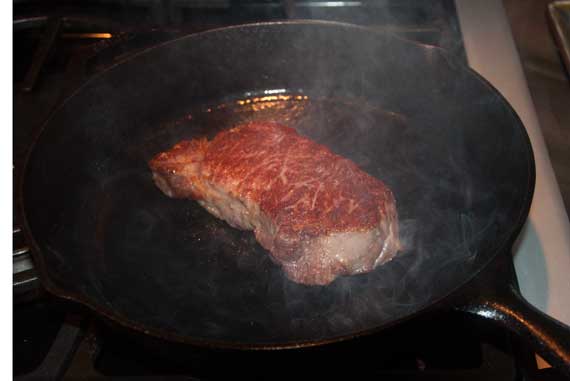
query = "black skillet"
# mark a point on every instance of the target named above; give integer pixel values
(450, 147)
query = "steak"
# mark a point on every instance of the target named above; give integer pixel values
(316, 212)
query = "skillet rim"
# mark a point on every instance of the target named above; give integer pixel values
(123, 321)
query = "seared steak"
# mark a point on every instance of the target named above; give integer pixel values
(317, 213)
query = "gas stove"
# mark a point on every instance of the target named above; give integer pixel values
(57, 48)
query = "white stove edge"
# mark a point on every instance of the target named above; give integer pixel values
(542, 251)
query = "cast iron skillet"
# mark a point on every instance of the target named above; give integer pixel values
(450, 147)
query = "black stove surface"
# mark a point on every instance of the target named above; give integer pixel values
(57, 47)
(451, 347)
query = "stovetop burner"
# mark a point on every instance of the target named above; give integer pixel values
(56, 49)
(83, 347)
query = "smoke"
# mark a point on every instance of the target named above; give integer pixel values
(396, 110)
(442, 225)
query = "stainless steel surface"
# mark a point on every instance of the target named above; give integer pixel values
(25, 280)
(20, 251)
(559, 13)
(22, 264)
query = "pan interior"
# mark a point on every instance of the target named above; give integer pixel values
(454, 155)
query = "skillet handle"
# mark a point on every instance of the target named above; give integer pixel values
(547, 336)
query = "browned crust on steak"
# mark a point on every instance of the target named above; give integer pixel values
(300, 186)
